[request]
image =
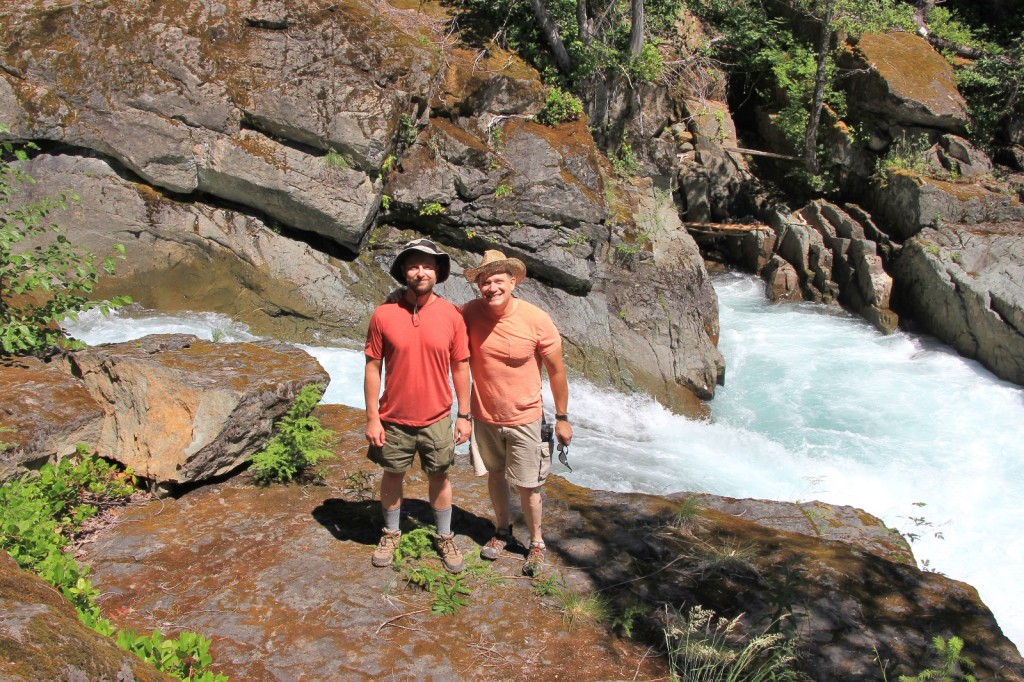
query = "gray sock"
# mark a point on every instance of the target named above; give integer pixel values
(443, 518)
(392, 518)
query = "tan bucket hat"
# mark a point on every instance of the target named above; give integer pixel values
(444, 262)
(495, 261)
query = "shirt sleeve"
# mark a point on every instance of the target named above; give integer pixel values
(374, 338)
(548, 339)
(460, 339)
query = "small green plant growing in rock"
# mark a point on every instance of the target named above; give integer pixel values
(299, 441)
(551, 586)
(580, 606)
(497, 139)
(559, 107)
(688, 514)
(503, 190)
(625, 618)
(406, 130)
(358, 484)
(388, 165)
(904, 155)
(449, 591)
(952, 666)
(624, 161)
(470, 233)
(385, 202)
(54, 280)
(336, 160)
(431, 208)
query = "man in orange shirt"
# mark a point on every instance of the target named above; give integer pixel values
(419, 338)
(509, 340)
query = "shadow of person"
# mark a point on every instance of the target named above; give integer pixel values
(361, 521)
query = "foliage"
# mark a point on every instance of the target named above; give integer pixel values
(904, 155)
(560, 106)
(624, 161)
(406, 131)
(503, 190)
(953, 663)
(992, 87)
(52, 280)
(703, 648)
(689, 513)
(431, 208)
(580, 606)
(336, 160)
(299, 441)
(449, 590)
(38, 516)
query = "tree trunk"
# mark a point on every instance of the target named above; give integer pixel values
(818, 99)
(550, 31)
(636, 36)
(583, 22)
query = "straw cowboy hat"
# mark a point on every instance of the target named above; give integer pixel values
(444, 263)
(495, 261)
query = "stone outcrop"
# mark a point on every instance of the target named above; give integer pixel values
(45, 412)
(261, 574)
(41, 637)
(965, 285)
(207, 138)
(179, 410)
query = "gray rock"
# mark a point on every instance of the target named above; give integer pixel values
(965, 285)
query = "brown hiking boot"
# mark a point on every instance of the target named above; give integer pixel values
(534, 560)
(502, 539)
(385, 552)
(451, 557)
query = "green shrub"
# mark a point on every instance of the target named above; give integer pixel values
(560, 106)
(299, 441)
(953, 663)
(38, 516)
(431, 208)
(41, 286)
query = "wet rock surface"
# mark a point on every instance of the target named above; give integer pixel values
(280, 578)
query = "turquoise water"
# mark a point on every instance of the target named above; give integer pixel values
(817, 406)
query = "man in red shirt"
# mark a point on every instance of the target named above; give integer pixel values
(509, 341)
(418, 339)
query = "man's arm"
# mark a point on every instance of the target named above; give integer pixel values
(560, 392)
(371, 394)
(460, 378)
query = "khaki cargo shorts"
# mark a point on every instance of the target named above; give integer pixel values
(518, 450)
(434, 443)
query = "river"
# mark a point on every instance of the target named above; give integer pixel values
(817, 406)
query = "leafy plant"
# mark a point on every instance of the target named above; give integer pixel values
(624, 161)
(54, 279)
(385, 202)
(449, 591)
(559, 107)
(904, 155)
(431, 208)
(406, 130)
(582, 606)
(38, 516)
(299, 441)
(550, 586)
(503, 190)
(625, 618)
(952, 665)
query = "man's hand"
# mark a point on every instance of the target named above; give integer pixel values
(563, 432)
(462, 430)
(375, 432)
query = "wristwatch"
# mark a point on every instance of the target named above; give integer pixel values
(562, 417)
(462, 416)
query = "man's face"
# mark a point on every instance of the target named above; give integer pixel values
(497, 289)
(420, 272)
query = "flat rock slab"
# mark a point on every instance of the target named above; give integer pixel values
(280, 579)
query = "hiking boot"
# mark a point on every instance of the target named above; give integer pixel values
(385, 552)
(502, 539)
(534, 560)
(451, 557)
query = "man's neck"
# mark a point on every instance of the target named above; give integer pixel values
(498, 313)
(418, 301)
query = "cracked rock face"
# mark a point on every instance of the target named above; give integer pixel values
(267, 160)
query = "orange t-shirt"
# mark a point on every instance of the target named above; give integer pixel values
(418, 347)
(505, 358)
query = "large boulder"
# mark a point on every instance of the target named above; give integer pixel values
(41, 637)
(900, 79)
(965, 285)
(180, 410)
(45, 413)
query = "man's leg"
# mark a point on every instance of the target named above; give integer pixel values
(438, 454)
(391, 506)
(497, 486)
(439, 491)
(533, 510)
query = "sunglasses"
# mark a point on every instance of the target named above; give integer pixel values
(563, 456)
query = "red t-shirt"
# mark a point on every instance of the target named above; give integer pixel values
(506, 359)
(418, 347)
